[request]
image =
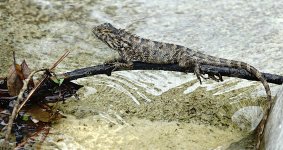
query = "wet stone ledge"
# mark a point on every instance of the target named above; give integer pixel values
(274, 134)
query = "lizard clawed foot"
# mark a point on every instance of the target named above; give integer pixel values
(215, 77)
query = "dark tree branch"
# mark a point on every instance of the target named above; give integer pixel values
(206, 69)
(45, 92)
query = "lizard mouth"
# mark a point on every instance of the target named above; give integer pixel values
(95, 31)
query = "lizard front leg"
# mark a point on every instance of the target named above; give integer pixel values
(197, 72)
(120, 63)
(127, 65)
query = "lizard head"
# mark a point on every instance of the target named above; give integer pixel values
(108, 34)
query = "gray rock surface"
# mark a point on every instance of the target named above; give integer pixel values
(250, 31)
(274, 128)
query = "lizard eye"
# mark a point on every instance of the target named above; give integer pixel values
(106, 30)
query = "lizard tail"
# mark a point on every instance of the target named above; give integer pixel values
(252, 70)
(261, 127)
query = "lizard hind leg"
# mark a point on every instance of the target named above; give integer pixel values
(188, 62)
(197, 72)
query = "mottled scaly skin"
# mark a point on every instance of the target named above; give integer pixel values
(133, 48)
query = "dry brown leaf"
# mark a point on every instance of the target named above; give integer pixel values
(26, 71)
(17, 73)
(38, 113)
(14, 83)
(42, 114)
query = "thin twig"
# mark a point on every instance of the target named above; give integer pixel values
(59, 60)
(46, 129)
(19, 99)
(32, 91)
(43, 79)
(14, 59)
